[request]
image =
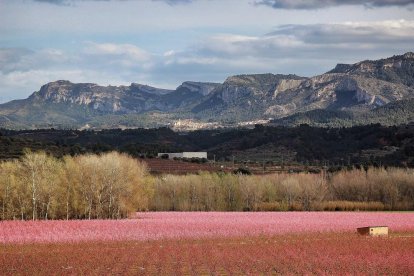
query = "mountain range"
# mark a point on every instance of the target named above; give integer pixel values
(378, 91)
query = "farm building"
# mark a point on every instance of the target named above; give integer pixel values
(188, 154)
(373, 230)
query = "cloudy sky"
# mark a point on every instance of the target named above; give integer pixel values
(165, 42)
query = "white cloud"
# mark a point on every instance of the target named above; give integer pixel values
(19, 59)
(22, 70)
(175, 2)
(277, 4)
(68, 2)
(169, 53)
(322, 40)
(320, 4)
(20, 84)
(126, 51)
(301, 49)
(117, 57)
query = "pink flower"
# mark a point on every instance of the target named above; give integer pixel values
(178, 225)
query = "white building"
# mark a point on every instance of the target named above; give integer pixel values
(186, 154)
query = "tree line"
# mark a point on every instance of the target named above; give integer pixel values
(39, 186)
(370, 145)
(374, 189)
(114, 185)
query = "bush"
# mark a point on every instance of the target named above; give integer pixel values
(349, 206)
(272, 206)
(242, 171)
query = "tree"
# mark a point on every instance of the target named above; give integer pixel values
(8, 189)
(113, 184)
(36, 173)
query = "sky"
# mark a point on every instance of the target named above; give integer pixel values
(163, 43)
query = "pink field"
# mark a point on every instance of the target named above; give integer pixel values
(181, 225)
(213, 243)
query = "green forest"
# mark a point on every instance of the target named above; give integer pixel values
(370, 145)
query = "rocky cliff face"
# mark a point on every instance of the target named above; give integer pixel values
(202, 88)
(136, 98)
(106, 99)
(247, 93)
(282, 95)
(397, 69)
(360, 87)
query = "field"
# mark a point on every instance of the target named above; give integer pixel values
(159, 166)
(165, 166)
(210, 243)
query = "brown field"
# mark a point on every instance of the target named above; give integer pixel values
(165, 166)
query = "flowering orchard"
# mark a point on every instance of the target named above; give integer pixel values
(210, 243)
(316, 253)
(196, 225)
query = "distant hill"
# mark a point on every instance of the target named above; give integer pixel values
(379, 91)
(394, 113)
(359, 145)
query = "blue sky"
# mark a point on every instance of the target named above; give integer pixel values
(165, 42)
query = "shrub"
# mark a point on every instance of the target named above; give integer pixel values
(242, 171)
(272, 206)
(349, 206)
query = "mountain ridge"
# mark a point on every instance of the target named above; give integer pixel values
(353, 89)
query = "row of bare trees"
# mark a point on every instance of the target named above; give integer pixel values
(393, 187)
(375, 189)
(39, 186)
(228, 192)
(113, 185)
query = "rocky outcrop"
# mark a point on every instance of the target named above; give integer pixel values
(149, 89)
(397, 69)
(286, 84)
(203, 88)
(135, 98)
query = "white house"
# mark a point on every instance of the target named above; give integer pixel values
(186, 154)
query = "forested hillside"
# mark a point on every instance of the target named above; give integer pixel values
(362, 145)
